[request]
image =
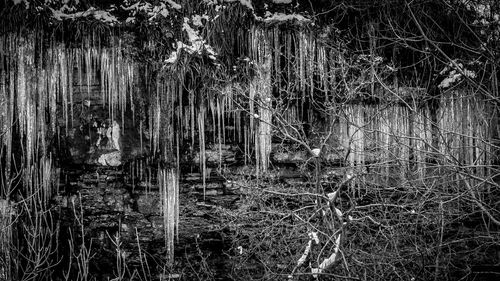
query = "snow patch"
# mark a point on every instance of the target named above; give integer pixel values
(192, 34)
(283, 17)
(196, 44)
(370, 59)
(174, 5)
(197, 20)
(210, 2)
(314, 236)
(454, 74)
(151, 11)
(482, 9)
(246, 3)
(136, 6)
(26, 3)
(66, 9)
(268, 17)
(61, 15)
(173, 57)
(103, 16)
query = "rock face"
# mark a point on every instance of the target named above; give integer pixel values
(108, 140)
(125, 219)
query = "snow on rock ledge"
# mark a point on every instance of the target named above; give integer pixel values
(277, 17)
(100, 15)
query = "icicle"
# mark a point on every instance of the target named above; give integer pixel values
(312, 63)
(141, 171)
(219, 128)
(192, 114)
(4, 127)
(10, 123)
(151, 126)
(104, 80)
(21, 90)
(201, 135)
(252, 92)
(149, 176)
(121, 68)
(214, 112)
(180, 116)
(302, 64)
(131, 86)
(169, 188)
(112, 81)
(53, 91)
(7, 212)
(157, 119)
(88, 67)
(237, 120)
(78, 56)
(70, 68)
(3, 117)
(30, 131)
(46, 179)
(288, 55)
(246, 144)
(224, 117)
(63, 77)
(186, 122)
(277, 57)
(322, 69)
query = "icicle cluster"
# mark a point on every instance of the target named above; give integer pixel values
(260, 97)
(300, 63)
(116, 73)
(464, 130)
(37, 90)
(381, 133)
(28, 95)
(290, 62)
(401, 139)
(40, 181)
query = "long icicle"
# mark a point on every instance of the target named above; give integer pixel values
(169, 189)
(201, 135)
